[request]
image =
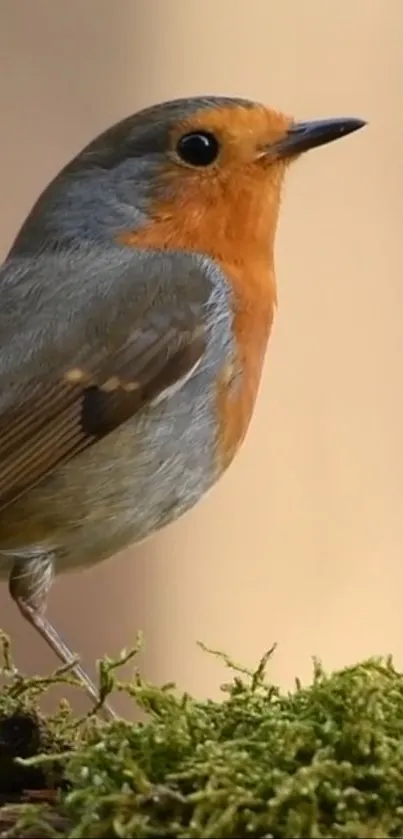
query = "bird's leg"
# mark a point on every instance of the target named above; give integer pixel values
(29, 584)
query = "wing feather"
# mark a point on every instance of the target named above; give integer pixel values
(135, 330)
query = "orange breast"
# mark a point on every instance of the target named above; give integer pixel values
(253, 316)
(243, 246)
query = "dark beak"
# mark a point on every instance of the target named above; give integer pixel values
(303, 136)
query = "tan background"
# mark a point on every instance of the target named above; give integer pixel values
(315, 561)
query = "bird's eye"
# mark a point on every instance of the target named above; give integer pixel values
(198, 148)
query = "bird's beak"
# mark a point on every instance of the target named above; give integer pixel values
(302, 136)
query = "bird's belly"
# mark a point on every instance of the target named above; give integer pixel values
(122, 489)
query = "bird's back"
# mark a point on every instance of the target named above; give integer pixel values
(144, 474)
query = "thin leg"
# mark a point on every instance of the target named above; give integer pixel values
(29, 584)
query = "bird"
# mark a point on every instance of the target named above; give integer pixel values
(136, 305)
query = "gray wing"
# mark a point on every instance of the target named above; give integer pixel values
(86, 341)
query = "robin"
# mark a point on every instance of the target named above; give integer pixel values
(136, 304)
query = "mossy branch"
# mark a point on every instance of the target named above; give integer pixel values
(325, 760)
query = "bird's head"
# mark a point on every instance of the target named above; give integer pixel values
(195, 173)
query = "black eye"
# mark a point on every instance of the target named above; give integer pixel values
(198, 149)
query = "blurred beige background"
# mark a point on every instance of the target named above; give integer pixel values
(302, 541)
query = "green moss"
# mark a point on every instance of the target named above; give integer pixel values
(322, 761)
